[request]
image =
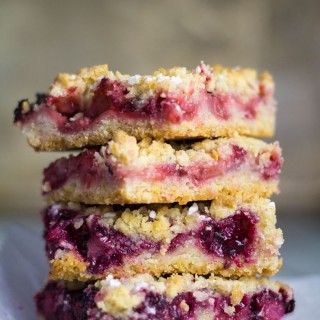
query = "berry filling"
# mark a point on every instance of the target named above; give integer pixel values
(110, 99)
(89, 171)
(67, 105)
(273, 168)
(230, 238)
(183, 306)
(58, 303)
(200, 172)
(99, 245)
(83, 166)
(59, 173)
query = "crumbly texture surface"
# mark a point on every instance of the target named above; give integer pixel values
(210, 101)
(176, 297)
(176, 284)
(150, 171)
(165, 227)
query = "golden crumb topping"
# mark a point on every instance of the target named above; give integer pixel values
(215, 78)
(127, 151)
(121, 296)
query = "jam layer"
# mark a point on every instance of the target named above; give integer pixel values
(178, 169)
(70, 115)
(160, 239)
(260, 299)
(171, 104)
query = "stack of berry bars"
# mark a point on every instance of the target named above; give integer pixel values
(164, 213)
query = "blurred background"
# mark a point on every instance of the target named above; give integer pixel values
(42, 38)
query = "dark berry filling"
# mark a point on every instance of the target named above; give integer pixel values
(230, 238)
(82, 166)
(289, 303)
(57, 302)
(67, 105)
(20, 113)
(179, 241)
(101, 246)
(270, 304)
(266, 304)
(110, 99)
(155, 306)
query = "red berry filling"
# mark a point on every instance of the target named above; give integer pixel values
(273, 168)
(58, 303)
(230, 238)
(67, 105)
(201, 172)
(219, 106)
(85, 168)
(110, 99)
(99, 245)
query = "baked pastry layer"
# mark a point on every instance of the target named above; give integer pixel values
(210, 101)
(152, 171)
(230, 239)
(176, 297)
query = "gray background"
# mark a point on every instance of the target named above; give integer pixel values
(41, 38)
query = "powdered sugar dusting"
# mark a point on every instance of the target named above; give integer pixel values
(152, 214)
(193, 209)
(160, 77)
(109, 214)
(113, 282)
(55, 208)
(151, 310)
(134, 79)
(141, 285)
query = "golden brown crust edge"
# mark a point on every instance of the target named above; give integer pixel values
(150, 193)
(44, 136)
(71, 268)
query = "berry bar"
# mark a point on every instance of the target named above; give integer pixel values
(86, 108)
(176, 297)
(87, 243)
(127, 172)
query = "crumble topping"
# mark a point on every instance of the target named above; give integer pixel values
(198, 296)
(211, 78)
(119, 300)
(127, 149)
